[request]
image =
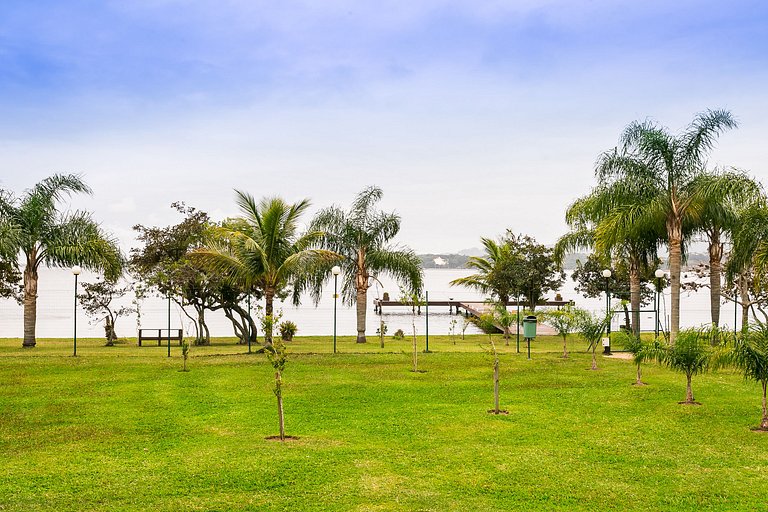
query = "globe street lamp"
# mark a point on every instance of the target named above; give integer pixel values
(659, 274)
(336, 270)
(76, 272)
(607, 275)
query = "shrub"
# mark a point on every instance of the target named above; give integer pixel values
(288, 330)
(399, 334)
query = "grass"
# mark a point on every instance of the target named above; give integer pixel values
(121, 428)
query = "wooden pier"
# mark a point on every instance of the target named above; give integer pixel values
(471, 308)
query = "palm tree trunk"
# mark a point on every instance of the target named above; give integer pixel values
(688, 391)
(715, 273)
(634, 294)
(744, 292)
(639, 380)
(764, 422)
(674, 230)
(30, 303)
(362, 304)
(594, 357)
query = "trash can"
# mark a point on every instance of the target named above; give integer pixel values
(529, 326)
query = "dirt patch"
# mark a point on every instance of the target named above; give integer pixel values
(499, 413)
(277, 438)
(686, 402)
(620, 355)
(759, 429)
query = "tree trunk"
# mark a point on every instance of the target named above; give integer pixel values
(30, 302)
(744, 292)
(362, 304)
(764, 421)
(634, 294)
(715, 273)
(688, 391)
(565, 346)
(496, 386)
(674, 230)
(594, 357)
(639, 381)
(279, 395)
(203, 336)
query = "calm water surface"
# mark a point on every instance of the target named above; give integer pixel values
(56, 304)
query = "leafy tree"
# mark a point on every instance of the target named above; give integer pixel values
(32, 226)
(590, 282)
(362, 236)
(10, 281)
(690, 355)
(263, 249)
(667, 167)
(565, 321)
(515, 265)
(97, 300)
(498, 272)
(591, 329)
(277, 356)
(164, 264)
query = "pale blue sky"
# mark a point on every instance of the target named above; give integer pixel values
(473, 116)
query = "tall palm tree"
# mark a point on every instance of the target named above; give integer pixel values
(722, 195)
(36, 230)
(263, 249)
(593, 221)
(361, 236)
(666, 166)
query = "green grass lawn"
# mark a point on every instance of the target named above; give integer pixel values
(121, 428)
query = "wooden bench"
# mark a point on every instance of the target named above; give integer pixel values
(157, 335)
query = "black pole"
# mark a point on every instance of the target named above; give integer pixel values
(518, 323)
(169, 324)
(74, 335)
(249, 323)
(335, 299)
(426, 317)
(529, 347)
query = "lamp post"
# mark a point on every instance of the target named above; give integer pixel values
(518, 323)
(336, 270)
(607, 275)
(249, 323)
(169, 324)
(659, 274)
(76, 272)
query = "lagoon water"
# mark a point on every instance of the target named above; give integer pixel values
(56, 304)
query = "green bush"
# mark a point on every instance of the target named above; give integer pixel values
(288, 330)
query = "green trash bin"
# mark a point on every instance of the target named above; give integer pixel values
(529, 326)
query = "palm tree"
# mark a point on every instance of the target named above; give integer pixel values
(361, 236)
(264, 250)
(691, 355)
(35, 229)
(495, 271)
(591, 328)
(750, 355)
(666, 167)
(593, 221)
(721, 196)
(565, 321)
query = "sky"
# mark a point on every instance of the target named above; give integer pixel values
(474, 117)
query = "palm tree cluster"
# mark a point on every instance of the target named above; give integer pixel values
(654, 190)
